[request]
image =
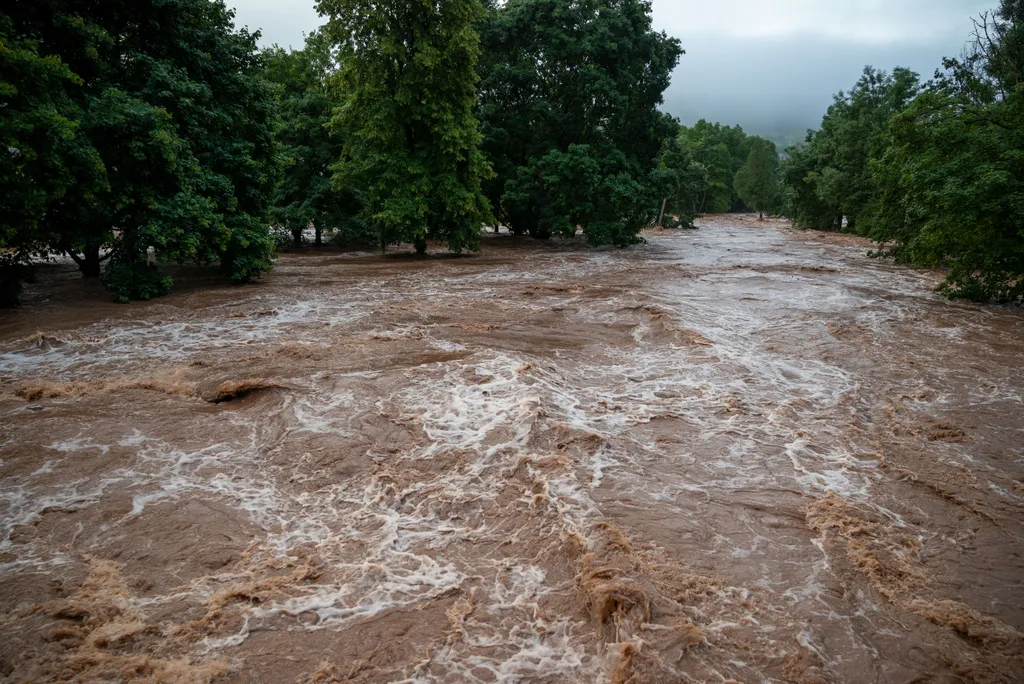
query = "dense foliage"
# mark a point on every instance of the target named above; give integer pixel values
(569, 101)
(952, 181)
(130, 127)
(411, 143)
(756, 182)
(934, 173)
(722, 151)
(680, 181)
(143, 132)
(830, 178)
(306, 195)
(136, 133)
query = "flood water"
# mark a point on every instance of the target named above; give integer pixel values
(743, 453)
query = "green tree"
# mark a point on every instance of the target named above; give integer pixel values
(37, 120)
(722, 151)
(757, 182)
(569, 109)
(306, 195)
(165, 140)
(411, 143)
(802, 203)
(952, 182)
(681, 182)
(836, 160)
(39, 136)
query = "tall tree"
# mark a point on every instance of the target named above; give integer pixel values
(408, 78)
(569, 110)
(836, 161)
(757, 182)
(681, 182)
(169, 144)
(802, 202)
(306, 195)
(42, 148)
(952, 182)
(37, 130)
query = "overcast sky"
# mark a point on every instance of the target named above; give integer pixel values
(771, 66)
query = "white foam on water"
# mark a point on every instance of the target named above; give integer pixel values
(117, 344)
(750, 416)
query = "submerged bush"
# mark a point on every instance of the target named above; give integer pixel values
(135, 280)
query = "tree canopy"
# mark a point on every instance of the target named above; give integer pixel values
(757, 181)
(952, 181)
(151, 129)
(569, 101)
(681, 181)
(411, 144)
(137, 133)
(722, 151)
(831, 176)
(935, 173)
(306, 195)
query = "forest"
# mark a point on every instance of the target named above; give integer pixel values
(144, 133)
(932, 171)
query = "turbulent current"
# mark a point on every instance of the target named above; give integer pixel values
(738, 454)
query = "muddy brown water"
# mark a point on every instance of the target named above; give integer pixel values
(742, 453)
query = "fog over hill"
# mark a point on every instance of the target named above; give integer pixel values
(771, 66)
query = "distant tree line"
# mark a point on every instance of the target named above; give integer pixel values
(934, 172)
(725, 152)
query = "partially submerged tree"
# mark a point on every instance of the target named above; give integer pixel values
(42, 152)
(757, 182)
(802, 203)
(411, 143)
(681, 182)
(831, 175)
(935, 174)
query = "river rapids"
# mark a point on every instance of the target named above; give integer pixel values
(738, 454)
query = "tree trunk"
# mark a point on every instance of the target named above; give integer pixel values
(518, 225)
(522, 222)
(297, 237)
(421, 245)
(319, 236)
(89, 262)
(761, 216)
(661, 215)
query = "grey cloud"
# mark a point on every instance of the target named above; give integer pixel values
(780, 87)
(281, 22)
(773, 66)
(849, 20)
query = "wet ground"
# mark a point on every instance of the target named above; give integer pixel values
(742, 453)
